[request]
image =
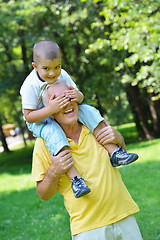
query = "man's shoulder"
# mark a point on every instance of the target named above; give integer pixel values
(40, 148)
(39, 142)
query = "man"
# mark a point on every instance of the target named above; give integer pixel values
(106, 213)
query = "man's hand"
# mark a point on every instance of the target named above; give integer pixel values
(74, 95)
(61, 163)
(56, 104)
(106, 134)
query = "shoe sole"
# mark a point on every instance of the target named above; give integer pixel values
(127, 163)
(83, 193)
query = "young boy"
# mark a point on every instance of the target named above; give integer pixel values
(47, 70)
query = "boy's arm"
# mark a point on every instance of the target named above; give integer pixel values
(60, 165)
(53, 106)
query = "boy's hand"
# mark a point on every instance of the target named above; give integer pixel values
(74, 95)
(56, 104)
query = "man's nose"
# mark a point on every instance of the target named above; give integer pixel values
(69, 102)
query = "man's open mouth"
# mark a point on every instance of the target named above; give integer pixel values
(69, 110)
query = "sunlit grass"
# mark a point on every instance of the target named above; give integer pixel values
(142, 181)
(25, 216)
(129, 132)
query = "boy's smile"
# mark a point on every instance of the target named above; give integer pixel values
(48, 70)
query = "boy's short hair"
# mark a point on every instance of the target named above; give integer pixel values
(47, 49)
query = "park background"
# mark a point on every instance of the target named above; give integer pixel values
(111, 50)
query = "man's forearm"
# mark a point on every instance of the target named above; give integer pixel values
(48, 186)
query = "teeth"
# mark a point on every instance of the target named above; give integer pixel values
(70, 110)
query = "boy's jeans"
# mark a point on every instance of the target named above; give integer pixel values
(53, 134)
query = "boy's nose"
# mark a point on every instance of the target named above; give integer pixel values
(51, 73)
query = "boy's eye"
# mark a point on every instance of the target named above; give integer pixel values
(58, 66)
(46, 68)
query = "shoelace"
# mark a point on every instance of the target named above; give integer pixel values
(122, 152)
(79, 183)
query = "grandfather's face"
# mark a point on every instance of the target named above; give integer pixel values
(68, 115)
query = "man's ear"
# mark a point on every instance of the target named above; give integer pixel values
(34, 65)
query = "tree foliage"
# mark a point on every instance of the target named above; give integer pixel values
(109, 47)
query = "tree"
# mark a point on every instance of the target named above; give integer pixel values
(133, 31)
(108, 47)
(3, 139)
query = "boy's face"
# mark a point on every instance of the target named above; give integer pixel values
(48, 70)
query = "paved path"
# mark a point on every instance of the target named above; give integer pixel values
(12, 141)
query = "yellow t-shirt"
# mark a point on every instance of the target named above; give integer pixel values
(108, 201)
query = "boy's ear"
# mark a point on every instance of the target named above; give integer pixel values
(34, 65)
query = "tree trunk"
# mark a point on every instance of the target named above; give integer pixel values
(24, 51)
(22, 131)
(139, 114)
(99, 107)
(3, 139)
(155, 113)
(30, 134)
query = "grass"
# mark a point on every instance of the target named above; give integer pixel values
(129, 132)
(142, 181)
(25, 216)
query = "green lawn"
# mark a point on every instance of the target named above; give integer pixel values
(25, 216)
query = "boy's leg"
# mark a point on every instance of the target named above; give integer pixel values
(91, 117)
(56, 141)
(118, 155)
(51, 132)
(79, 186)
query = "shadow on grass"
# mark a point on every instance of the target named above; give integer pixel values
(12, 163)
(142, 181)
(129, 133)
(25, 216)
(146, 144)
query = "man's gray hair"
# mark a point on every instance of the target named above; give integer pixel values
(45, 97)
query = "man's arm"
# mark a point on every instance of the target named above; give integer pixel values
(106, 134)
(60, 165)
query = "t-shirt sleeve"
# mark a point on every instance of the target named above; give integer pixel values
(68, 79)
(29, 96)
(41, 160)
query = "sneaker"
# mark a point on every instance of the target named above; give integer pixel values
(121, 157)
(79, 187)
